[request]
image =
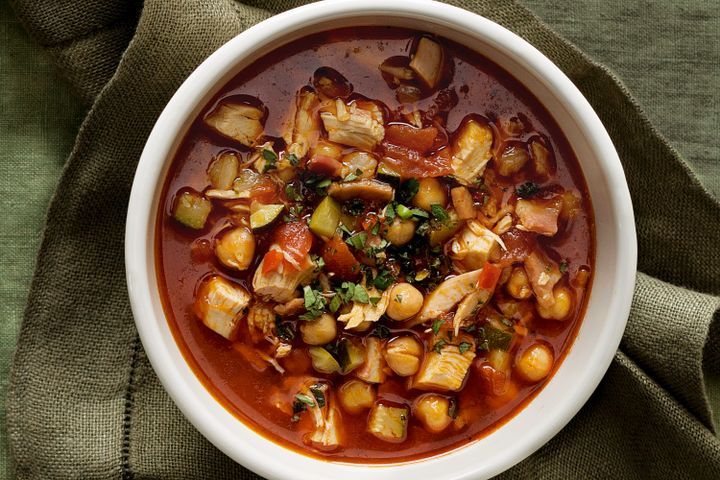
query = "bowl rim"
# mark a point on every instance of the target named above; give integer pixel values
(139, 261)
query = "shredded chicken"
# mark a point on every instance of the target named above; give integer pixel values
(539, 216)
(220, 304)
(305, 126)
(280, 285)
(238, 121)
(354, 126)
(261, 319)
(472, 151)
(292, 307)
(446, 296)
(445, 370)
(543, 275)
(326, 434)
(366, 312)
(472, 246)
(373, 369)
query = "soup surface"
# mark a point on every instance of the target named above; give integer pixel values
(374, 245)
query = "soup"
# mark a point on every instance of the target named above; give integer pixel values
(374, 245)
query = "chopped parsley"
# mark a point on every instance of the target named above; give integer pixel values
(292, 193)
(380, 331)
(563, 267)
(437, 348)
(270, 158)
(436, 326)
(353, 175)
(390, 212)
(314, 303)
(440, 214)
(527, 189)
(464, 347)
(408, 190)
(354, 207)
(284, 330)
(357, 241)
(383, 280)
(305, 399)
(319, 395)
(293, 159)
(494, 338)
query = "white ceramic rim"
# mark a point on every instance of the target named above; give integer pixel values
(229, 434)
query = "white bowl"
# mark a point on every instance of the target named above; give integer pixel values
(614, 276)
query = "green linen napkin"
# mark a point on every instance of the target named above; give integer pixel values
(83, 400)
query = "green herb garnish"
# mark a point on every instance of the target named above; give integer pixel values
(408, 190)
(319, 395)
(440, 214)
(464, 347)
(436, 326)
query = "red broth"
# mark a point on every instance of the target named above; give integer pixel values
(185, 257)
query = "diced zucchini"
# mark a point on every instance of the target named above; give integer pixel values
(352, 355)
(192, 209)
(388, 423)
(325, 218)
(261, 215)
(323, 361)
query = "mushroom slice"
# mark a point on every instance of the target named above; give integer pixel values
(472, 150)
(427, 61)
(238, 121)
(219, 304)
(280, 284)
(354, 126)
(445, 369)
(306, 126)
(366, 189)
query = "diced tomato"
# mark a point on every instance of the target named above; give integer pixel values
(324, 165)
(295, 238)
(489, 276)
(409, 163)
(339, 259)
(272, 261)
(368, 221)
(419, 139)
(265, 191)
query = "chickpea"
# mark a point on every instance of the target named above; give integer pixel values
(400, 231)
(535, 362)
(518, 284)
(433, 412)
(561, 308)
(329, 149)
(236, 248)
(405, 301)
(320, 331)
(356, 396)
(430, 192)
(403, 355)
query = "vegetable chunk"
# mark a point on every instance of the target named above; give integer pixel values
(539, 216)
(305, 126)
(219, 304)
(427, 62)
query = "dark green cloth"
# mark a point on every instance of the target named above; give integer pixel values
(83, 400)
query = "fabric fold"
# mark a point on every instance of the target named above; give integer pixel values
(84, 401)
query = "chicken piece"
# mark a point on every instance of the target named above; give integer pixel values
(280, 284)
(220, 304)
(354, 126)
(366, 312)
(362, 164)
(472, 246)
(261, 320)
(446, 296)
(468, 306)
(389, 423)
(472, 150)
(327, 434)
(543, 274)
(444, 370)
(539, 216)
(428, 61)
(371, 190)
(306, 126)
(238, 121)
(292, 307)
(373, 369)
